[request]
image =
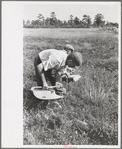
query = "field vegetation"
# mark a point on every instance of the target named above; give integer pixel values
(93, 100)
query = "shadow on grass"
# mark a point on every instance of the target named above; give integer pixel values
(99, 136)
(31, 102)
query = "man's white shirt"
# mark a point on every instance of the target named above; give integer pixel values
(53, 59)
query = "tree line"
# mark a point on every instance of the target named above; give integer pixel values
(73, 22)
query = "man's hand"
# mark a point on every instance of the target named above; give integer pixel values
(59, 85)
(68, 71)
(60, 90)
(45, 86)
(42, 76)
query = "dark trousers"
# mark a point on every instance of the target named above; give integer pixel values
(48, 73)
(48, 76)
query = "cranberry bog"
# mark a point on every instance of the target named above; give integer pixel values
(88, 115)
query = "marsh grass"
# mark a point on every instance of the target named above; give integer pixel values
(93, 99)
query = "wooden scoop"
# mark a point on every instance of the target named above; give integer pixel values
(45, 94)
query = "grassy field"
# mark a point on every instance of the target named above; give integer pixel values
(92, 100)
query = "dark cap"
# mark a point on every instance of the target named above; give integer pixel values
(76, 57)
(69, 47)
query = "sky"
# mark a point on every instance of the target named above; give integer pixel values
(63, 10)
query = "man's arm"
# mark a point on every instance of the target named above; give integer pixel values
(40, 71)
(58, 77)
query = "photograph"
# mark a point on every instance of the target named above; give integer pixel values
(70, 84)
(70, 70)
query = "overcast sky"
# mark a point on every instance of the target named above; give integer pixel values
(110, 10)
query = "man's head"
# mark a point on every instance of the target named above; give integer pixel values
(74, 59)
(69, 47)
